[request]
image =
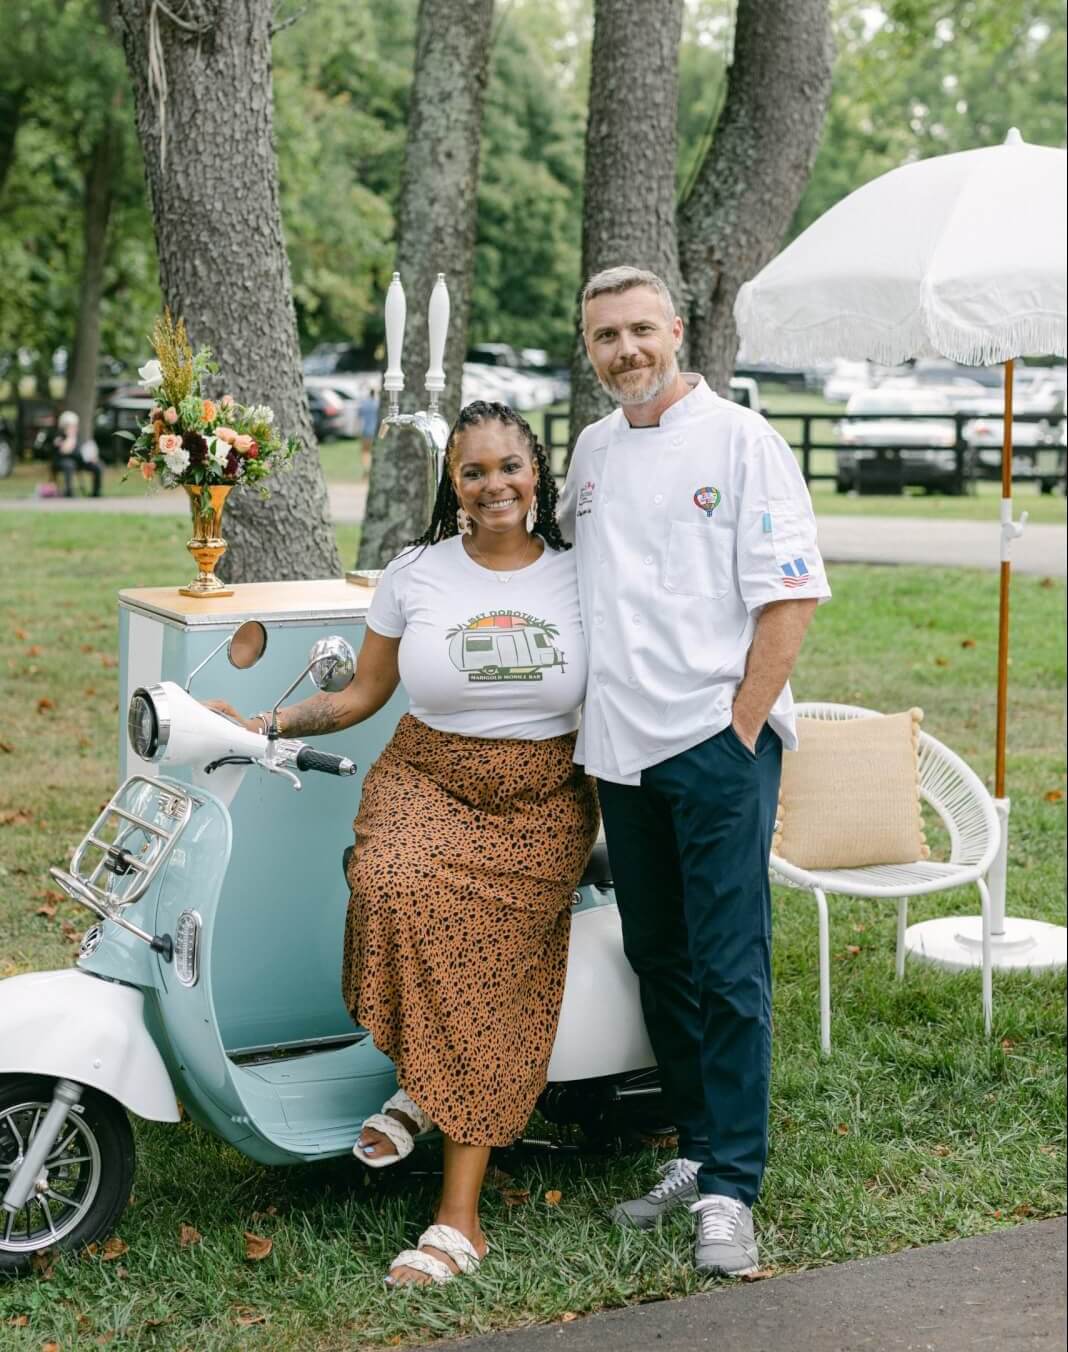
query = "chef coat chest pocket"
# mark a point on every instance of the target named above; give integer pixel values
(699, 560)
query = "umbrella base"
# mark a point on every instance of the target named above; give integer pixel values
(956, 943)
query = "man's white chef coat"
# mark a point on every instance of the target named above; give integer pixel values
(683, 532)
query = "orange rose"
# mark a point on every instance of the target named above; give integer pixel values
(209, 411)
(242, 443)
(148, 470)
(226, 434)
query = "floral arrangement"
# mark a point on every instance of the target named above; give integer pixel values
(190, 440)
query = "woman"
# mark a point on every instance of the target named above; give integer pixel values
(474, 825)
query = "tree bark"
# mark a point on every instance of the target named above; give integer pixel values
(751, 180)
(629, 208)
(436, 221)
(11, 105)
(85, 349)
(223, 266)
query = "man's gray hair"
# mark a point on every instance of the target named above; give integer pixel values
(614, 281)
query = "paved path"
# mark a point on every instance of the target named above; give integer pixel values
(1002, 1292)
(843, 539)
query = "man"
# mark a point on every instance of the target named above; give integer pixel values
(367, 410)
(698, 575)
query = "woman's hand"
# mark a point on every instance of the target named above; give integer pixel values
(220, 706)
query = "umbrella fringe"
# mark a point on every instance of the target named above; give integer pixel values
(851, 337)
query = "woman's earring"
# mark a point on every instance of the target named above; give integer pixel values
(532, 515)
(463, 522)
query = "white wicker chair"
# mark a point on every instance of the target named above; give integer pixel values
(962, 802)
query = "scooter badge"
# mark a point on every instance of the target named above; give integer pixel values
(707, 499)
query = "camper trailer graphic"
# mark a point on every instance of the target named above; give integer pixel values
(504, 645)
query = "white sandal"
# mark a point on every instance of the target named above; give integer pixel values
(449, 1240)
(396, 1132)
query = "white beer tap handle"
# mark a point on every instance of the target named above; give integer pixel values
(437, 329)
(396, 314)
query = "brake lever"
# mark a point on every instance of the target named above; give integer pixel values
(276, 769)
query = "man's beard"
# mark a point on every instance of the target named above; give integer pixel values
(658, 383)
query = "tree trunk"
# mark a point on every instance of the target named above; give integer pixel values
(629, 209)
(213, 186)
(11, 104)
(749, 185)
(85, 350)
(435, 233)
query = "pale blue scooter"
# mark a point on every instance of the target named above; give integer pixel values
(211, 976)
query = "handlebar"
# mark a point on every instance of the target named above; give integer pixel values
(323, 761)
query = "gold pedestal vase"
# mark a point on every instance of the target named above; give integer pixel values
(207, 545)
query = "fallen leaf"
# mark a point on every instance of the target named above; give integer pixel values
(49, 1347)
(257, 1247)
(761, 1274)
(73, 935)
(842, 1129)
(941, 1150)
(497, 1178)
(941, 661)
(1046, 582)
(89, 691)
(7, 748)
(102, 1339)
(21, 635)
(113, 1248)
(1024, 1209)
(246, 1318)
(108, 661)
(1053, 795)
(44, 704)
(16, 817)
(552, 1197)
(1007, 1044)
(33, 651)
(967, 643)
(852, 949)
(568, 1317)
(48, 910)
(1048, 1150)
(188, 1234)
(157, 1323)
(122, 1272)
(87, 647)
(858, 929)
(19, 1321)
(44, 1263)
(996, 1214)
(515, 1196)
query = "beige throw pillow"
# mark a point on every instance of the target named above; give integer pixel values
(850, 793)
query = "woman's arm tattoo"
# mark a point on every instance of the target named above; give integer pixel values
(311, 718)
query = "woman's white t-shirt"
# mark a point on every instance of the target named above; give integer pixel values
(480, 657)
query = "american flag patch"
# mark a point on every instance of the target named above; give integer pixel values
(795, 574)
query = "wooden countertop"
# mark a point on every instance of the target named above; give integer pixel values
(328, 598)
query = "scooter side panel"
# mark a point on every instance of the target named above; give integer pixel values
(75, 1026)
(601, 1030)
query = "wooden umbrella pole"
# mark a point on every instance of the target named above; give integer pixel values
(1006, 573)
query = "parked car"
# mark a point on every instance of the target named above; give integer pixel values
(126, 410)
(1035, 456)
(845, 379)
(891, 448)
(7, 449)
(332, 415)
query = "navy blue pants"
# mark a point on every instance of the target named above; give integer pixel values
(689, 851)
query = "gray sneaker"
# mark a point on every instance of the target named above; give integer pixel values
(677, 1187)
(725, 1242)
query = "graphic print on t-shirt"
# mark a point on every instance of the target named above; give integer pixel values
(504, 645)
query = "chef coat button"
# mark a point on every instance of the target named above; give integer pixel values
(659, 497)
(636, 618)
(599, 618)
(648, 559)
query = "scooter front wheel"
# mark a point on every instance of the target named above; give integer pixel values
(86, 1180)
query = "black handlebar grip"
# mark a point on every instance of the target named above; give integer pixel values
(307, 759)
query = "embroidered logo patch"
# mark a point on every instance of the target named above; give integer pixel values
(795, 574)
(585, 498)
(707, 499)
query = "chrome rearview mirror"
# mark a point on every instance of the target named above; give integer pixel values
(332, 663)
(247, 645)
(244, 647)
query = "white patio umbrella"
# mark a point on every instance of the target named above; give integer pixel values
(959, 256)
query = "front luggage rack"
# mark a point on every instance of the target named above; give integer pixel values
(126, 846)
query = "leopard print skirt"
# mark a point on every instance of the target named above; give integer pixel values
(467, 854)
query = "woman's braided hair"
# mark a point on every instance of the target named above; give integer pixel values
(446, 504)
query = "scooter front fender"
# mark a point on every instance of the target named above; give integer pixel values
(74, 1026)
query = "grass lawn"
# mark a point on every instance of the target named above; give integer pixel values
(916, 1129)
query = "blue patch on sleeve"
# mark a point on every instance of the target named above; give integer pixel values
(766, 523)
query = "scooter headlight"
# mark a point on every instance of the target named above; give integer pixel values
(148, 723)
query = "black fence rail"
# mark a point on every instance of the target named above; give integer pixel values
(879, 462)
